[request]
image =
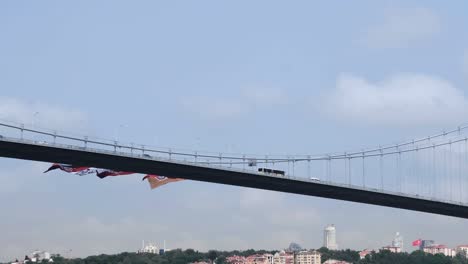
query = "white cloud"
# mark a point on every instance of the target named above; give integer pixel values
(403, 27)
(41, 114)
(404, 99)
(249, 100)
(465, 63)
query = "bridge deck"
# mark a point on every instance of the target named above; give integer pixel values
(20, 149)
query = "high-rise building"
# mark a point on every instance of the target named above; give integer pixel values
(425, 243)
(329, 237)
(397, 244)
(398, 241)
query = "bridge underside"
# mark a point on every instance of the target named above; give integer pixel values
(173, 169)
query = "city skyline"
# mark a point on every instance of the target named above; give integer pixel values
(396, 245)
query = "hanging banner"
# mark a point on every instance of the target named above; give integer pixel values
(71, 169)
(156, 181)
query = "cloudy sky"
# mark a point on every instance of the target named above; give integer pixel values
(256, 77)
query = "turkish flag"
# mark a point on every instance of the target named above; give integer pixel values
(417, 243)
(102, 173)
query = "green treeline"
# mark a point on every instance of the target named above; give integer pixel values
(187, 256)
(387, 257)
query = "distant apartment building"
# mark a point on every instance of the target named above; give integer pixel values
(392, 249)
(440, 249)
(364, 253)
(235, 260)
(462, 250)
(283, 258)
(307, 257)
(334, 261)
(36, 257)
(425, 243)
(329, 237)
(397, 244)
(259, 259)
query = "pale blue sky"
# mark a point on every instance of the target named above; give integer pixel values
(330, 75)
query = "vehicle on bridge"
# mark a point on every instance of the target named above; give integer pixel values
(252, 163)
(271, 171)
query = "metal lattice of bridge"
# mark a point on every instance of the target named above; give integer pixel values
(431, 170)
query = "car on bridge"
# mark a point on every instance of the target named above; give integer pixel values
(271, 171)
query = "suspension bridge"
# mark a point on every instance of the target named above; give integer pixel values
(428, 174)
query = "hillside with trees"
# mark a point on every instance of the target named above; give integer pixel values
(179, 256)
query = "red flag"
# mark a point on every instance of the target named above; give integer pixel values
(102, 173)
(155, 180)
(70, 169)
(417, 243)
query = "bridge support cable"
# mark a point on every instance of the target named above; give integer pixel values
(465, 181)
(293, 167)
(398, 171)
(459, 155)
(433, 174)
(445, 183)
(381, 170)
(350, 175)
(363, 172)
(450, 166)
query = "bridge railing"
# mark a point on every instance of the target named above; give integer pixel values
(206, 165)
(432, 167)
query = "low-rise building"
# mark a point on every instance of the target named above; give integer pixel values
(283, 258)
(235, 259)
(307, 257)
(334, 261)
(364, 253)
(392, 249)
(440, 249)
(259, 259)
(36, 257)
(462, 250)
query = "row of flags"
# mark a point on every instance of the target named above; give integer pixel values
(154, 181)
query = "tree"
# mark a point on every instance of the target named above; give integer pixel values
(212, 255)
